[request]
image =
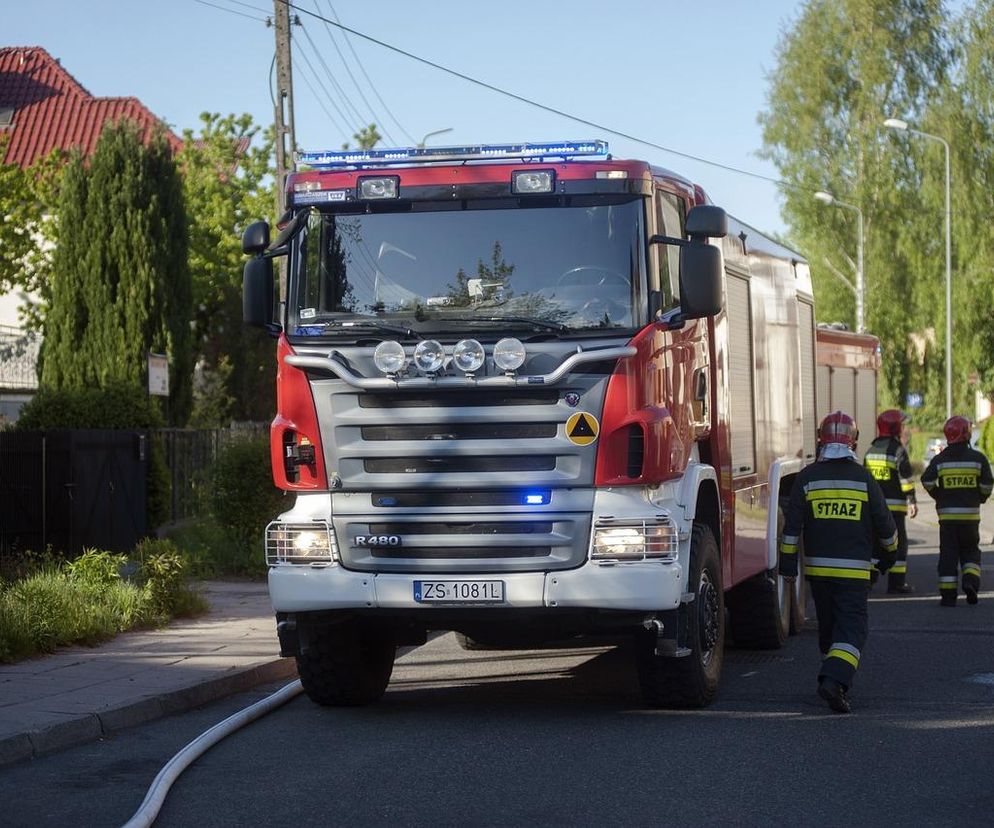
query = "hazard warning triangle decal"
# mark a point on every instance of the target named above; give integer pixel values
(582, 428)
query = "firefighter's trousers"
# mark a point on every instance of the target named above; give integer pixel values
(959, 549)
(842, 625)
(897, 574)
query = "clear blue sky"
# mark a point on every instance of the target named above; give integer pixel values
(686, 75)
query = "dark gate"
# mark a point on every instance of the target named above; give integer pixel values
(72, 489)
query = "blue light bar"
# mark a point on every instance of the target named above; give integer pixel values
(537, 498)
(426, 155)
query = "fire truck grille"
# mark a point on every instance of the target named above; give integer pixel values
(451, 528)
(460, 431)
(428, 465)
(447, 499)
(460, 399)
(423, 543)
(444, 554)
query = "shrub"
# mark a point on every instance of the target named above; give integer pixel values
(243, 498)
(96, 568)
(164, 572)
(986, 441)
(87, 601)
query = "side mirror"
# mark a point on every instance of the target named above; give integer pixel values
(700, 279)
(257, 291)
(255, 239)
(705, 221)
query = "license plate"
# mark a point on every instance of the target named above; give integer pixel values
(459, 592)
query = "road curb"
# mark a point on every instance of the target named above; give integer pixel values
(92, 726)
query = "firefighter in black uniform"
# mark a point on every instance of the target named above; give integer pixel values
(839, 509)
(888, 462)
(959, 480)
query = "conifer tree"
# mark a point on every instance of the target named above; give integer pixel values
(121, 283)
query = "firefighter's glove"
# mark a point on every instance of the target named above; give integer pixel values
(788, 566)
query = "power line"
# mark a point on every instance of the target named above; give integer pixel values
(232, 11)
(346, 102)
(370, 82)
(546, 108)
(355, 83)
(326, 95)
(317, 97)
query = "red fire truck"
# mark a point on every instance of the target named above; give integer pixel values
(528, 392)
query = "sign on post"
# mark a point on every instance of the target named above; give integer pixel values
(158, 375)
(914, 399)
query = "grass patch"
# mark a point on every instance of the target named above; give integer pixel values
(213, 551)
(86, 601)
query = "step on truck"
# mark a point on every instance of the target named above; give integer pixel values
(527, 393)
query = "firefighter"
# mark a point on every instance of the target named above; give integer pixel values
(888, 462)
(840, 511)
(959, 480)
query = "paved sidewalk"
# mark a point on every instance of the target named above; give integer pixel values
(78, 694)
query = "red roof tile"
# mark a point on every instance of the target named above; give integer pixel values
(52, 110)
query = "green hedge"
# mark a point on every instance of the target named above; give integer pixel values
(243, 497)
(986, 442)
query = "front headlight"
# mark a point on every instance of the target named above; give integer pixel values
(303, 543)
(635, 540)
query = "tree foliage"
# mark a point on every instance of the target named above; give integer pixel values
(27, 229)
(121, 284)
(227, 184)
(842, 68)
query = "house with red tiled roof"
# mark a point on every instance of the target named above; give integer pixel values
(43, 107)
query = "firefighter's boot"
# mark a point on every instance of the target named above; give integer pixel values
(835, 694)
(899, 587)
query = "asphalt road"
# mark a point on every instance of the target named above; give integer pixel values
(559, 737)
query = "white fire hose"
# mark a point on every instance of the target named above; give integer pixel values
(156, 795)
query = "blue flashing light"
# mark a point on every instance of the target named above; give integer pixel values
(363, 159)
(536, 498)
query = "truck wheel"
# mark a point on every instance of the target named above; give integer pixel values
(691, 681)
(760, 611)
(346, 664)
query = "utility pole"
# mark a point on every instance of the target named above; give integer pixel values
(286, 143)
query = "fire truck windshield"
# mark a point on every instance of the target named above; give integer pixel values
(560, 268)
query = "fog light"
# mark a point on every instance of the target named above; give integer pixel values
(468, 355)
(635, 540)
(389, 357)
(528, 181)
(374, 188)
(429, 356)
(509, 354)
(301, 544)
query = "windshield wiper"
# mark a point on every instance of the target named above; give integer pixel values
(559, 327)
(362, 324)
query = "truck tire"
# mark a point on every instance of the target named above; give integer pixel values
(690, 681)
(760, 612)
(346, 665)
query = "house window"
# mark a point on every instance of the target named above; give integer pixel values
(6, 116)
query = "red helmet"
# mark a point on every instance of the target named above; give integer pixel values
(889, 423)
(957, 430)
(838, 427)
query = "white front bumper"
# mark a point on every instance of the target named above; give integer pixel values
(648, 586)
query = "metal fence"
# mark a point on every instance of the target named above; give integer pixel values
(88, 488)
(72, 489)
(190, 456)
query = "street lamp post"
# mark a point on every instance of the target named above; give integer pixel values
(828, 198)
(421, 144)
(897, 123)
